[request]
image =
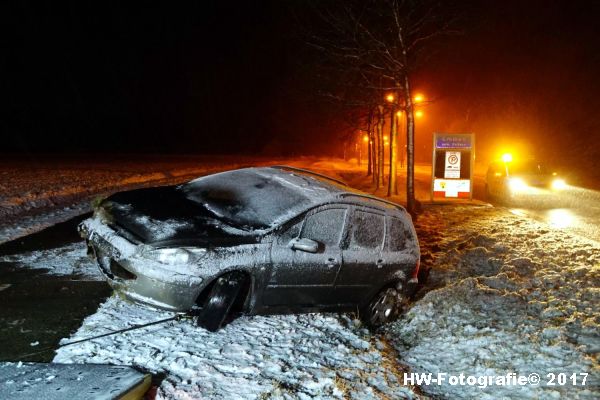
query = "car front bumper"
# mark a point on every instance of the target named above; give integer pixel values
(136, 278)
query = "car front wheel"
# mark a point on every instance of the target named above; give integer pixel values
(383, 308)
(221, 298)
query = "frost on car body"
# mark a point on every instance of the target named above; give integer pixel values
(259, 240)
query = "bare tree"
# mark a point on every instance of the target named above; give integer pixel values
(380, 43)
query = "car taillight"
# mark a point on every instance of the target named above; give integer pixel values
(416, 270)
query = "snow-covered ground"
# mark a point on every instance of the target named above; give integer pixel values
(506, 295)
(292, 356)
(70, 259)
(515, 296)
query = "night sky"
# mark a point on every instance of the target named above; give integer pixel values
(216, 77)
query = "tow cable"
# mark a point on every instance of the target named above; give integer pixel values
(177, 317)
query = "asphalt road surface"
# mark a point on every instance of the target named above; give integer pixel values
(40, 309)
(574, 210)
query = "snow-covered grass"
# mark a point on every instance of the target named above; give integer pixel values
(291, 356)
(70, 259)
(515, 296)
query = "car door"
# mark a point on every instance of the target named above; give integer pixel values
(302, 278)
(361, 252)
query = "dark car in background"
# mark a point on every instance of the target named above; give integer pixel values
(258, 241)
(511, 180)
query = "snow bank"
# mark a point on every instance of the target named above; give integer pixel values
(71, 259)
(518, 297)
(293, 356)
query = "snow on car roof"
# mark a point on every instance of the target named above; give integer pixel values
(260, 197)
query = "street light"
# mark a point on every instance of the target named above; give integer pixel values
(418, 98)
(390, 98)
(366, 138)
(419, 114)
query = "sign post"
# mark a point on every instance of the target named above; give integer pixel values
(452, 169)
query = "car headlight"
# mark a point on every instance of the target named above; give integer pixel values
(172, 256)
(559, 184)
(517, 184)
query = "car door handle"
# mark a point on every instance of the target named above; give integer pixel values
(379, 263)
(331, 262)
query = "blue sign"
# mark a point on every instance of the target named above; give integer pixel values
(453, 141)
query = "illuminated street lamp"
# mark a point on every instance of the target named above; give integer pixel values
(418, 98)
(390, 98)
(419, 114)
(366, 138)
(507, 158)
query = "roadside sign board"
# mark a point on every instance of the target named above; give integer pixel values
(452, 168)
(453, 140)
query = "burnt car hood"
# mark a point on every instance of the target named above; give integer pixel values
(163, 217)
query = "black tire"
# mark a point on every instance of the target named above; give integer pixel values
(423, 275)
(383, 308)
(219, 301)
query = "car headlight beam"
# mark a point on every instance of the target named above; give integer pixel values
(517, 184)
(559, 184)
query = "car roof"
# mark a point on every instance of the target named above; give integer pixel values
(261, 198)
(338, 191)
(318, 188)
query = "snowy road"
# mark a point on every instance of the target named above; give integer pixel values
(577, 210)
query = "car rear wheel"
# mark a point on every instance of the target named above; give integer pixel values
(383, 308)
(220, 300)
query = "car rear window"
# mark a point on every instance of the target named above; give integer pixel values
(366, 231)
(398, 234)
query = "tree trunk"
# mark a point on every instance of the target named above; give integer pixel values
(392, 183)
(380, 155)
(410, 149)
(374, 149)
(370, 143)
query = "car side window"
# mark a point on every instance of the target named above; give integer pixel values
(325, 226)
(397, 234)
(366, 231)
(289, 233)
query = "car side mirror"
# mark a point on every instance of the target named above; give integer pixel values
(304, 244)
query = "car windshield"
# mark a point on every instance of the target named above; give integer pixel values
(247, 199)
(528, 168)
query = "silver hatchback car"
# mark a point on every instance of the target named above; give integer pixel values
(258, 241)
